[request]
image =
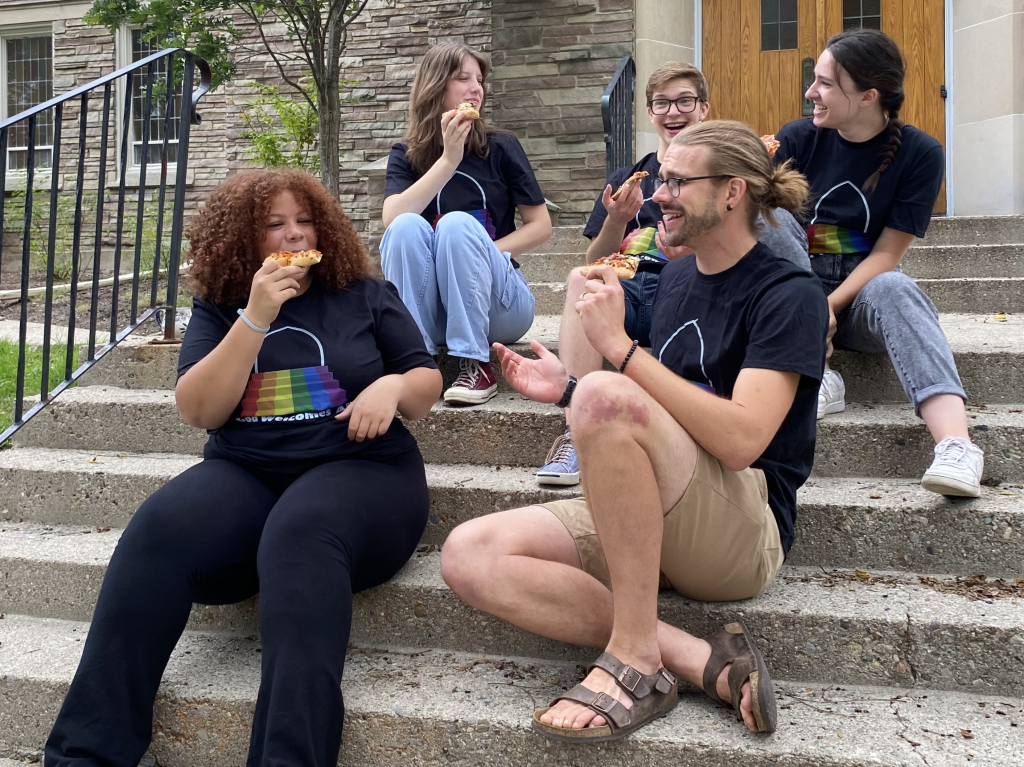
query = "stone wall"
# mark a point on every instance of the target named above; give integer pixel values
(552, 62)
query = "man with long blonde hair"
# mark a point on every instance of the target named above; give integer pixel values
(691, 455)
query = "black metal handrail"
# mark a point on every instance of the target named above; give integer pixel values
(617, 114)
(186, 117)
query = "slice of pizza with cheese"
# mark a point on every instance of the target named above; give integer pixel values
(770, 143)
(625, 266)
(302, 258)
(635, 178)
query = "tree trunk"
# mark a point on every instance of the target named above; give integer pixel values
(329, 108)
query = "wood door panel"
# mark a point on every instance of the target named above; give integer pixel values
(764, 89)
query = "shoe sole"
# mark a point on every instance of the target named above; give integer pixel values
(950, 486)
(474, 398)
(832, 407)
(564, 480)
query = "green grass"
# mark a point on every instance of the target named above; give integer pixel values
(33, 372)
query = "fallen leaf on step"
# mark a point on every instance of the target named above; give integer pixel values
(967, 734)
(551, 679)
(1001, 317)
(876, 496)
(94, 459)
(864, 575)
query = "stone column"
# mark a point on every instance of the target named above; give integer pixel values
(664, 32)
(988, 107)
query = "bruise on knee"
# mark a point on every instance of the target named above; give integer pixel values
(606, 409)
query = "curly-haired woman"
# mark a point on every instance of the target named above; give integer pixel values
(309, 490)
(874, 181)
(453, 188)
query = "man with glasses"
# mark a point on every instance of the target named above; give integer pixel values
(677, 97)
(692, 455)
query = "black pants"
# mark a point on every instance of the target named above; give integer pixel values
(217, 534)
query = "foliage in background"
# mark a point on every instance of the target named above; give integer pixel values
(283, 131)
(316, 33)
(33, 372)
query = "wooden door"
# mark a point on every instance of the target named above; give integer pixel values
(759, 54)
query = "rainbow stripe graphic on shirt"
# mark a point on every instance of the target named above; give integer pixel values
(285, 392)
(480, 215)
(829, 238)
(641, 242)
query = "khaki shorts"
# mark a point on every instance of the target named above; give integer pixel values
(720, 542)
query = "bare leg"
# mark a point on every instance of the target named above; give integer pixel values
(523, 565)
(575, 351)
(945, 416)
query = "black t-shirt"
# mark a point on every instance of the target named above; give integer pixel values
(323, 349)
(489, 189)
(766, 313)
(844, 219)
(641, 230)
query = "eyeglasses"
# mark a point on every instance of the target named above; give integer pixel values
(674, 184)
(683, 104)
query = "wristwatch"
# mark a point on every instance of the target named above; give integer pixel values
(567, 394)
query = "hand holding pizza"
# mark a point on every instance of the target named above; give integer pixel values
(623, 204)
(542, 380)
(370, 414)
(272, 285)
(455, 127)
(602, 310)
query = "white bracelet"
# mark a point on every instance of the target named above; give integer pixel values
(247, 321)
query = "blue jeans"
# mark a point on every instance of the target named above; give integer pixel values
(892, 314)
(639, 293)
(461, 290)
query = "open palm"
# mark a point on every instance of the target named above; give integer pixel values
(542, 379)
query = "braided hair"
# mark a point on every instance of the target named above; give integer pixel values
(873, 60)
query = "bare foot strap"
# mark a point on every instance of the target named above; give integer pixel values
(637, 684)
(601, 702)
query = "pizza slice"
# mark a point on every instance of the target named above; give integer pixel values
(625, 266)
(770, 143)
(631, 180)
(302, 258)
(469, 109)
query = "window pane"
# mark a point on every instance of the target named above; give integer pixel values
(769, 37)
(769, 11)
(872, 8)
(872, 22)
(851, 8)
(788, 36)
(787, 11)
(29, 82)
(851, 23)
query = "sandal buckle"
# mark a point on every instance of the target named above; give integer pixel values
(630, 672)
(604, 702)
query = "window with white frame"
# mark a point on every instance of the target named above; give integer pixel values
(132, 47)
(26, 79)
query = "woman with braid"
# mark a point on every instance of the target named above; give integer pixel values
(874, 181)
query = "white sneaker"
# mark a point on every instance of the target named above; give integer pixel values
(832, 394)
(957, 468)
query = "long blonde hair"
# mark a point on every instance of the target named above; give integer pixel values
(423, 141)
(735, 150)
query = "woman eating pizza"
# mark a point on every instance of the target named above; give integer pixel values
(454, 186)
(309, 489)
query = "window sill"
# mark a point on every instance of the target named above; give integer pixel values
(131, 178)
(17, 181)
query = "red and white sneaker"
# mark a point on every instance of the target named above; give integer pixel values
(475, 385)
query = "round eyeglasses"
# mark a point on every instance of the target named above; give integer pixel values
(683, 104)
(674, 184)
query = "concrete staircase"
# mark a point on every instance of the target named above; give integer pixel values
(884, 651)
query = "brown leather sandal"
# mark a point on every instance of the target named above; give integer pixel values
(733, 644)
(653, 695)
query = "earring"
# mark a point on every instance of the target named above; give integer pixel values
(728, 207)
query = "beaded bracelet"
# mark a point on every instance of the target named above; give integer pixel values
(247, 321)
(622, 367)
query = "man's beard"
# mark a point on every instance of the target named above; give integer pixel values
(693, 225)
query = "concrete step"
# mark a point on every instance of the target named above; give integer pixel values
(417, 707)
(942, 231)
(920, 262)
(863, 441)
(861, 523)
(815, 625)
(989, 355)
(980, 294)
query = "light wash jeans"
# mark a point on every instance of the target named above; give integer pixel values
(892, 314)
(462, 291)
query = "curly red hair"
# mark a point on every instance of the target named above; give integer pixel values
(225, 236)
